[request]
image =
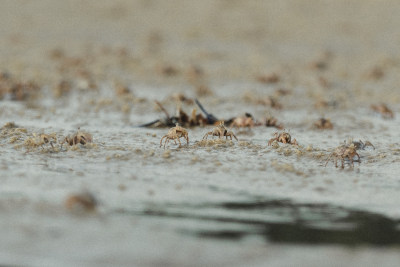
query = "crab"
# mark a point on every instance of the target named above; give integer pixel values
(384, 110)
(175, 133)
(246, 121)
(323, 123)
(47, 139)
(342, 152)
(283, 137)
(273, 122)
(270, 101)
(78, 138)
(269, 78)
(81, 202)
(39, 140)
(221, 131)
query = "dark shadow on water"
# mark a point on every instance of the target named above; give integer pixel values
(286, 222)
(368, 229)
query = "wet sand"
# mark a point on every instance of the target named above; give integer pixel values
(100, 65)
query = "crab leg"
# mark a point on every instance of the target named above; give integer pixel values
(162, 140)
(166, 142)
(187, 139)
(206, 135)
(234, 136)
(327, 161)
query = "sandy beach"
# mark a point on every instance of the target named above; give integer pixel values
(81, 184)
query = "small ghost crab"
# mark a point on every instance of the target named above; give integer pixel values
(175, 133)
(283, 137)
(342, 152)
(323, 123)
(221, 131)
(78, 138)
(273, 122)
(384, 110)
(47, 139)
(81, 202)
(40, 140)
(246, 121)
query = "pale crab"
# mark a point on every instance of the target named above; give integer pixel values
(78, 138)
(81, 202)
(384, 110)
(47, 139)
(283, 137)
(272, 122)
(175, 133)
(246, 121)
(41, 140)
(342, 152)
(221, 131)
(323, 123)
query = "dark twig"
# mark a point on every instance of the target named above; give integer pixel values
(211, 119)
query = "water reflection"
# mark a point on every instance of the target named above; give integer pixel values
(282, 221)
